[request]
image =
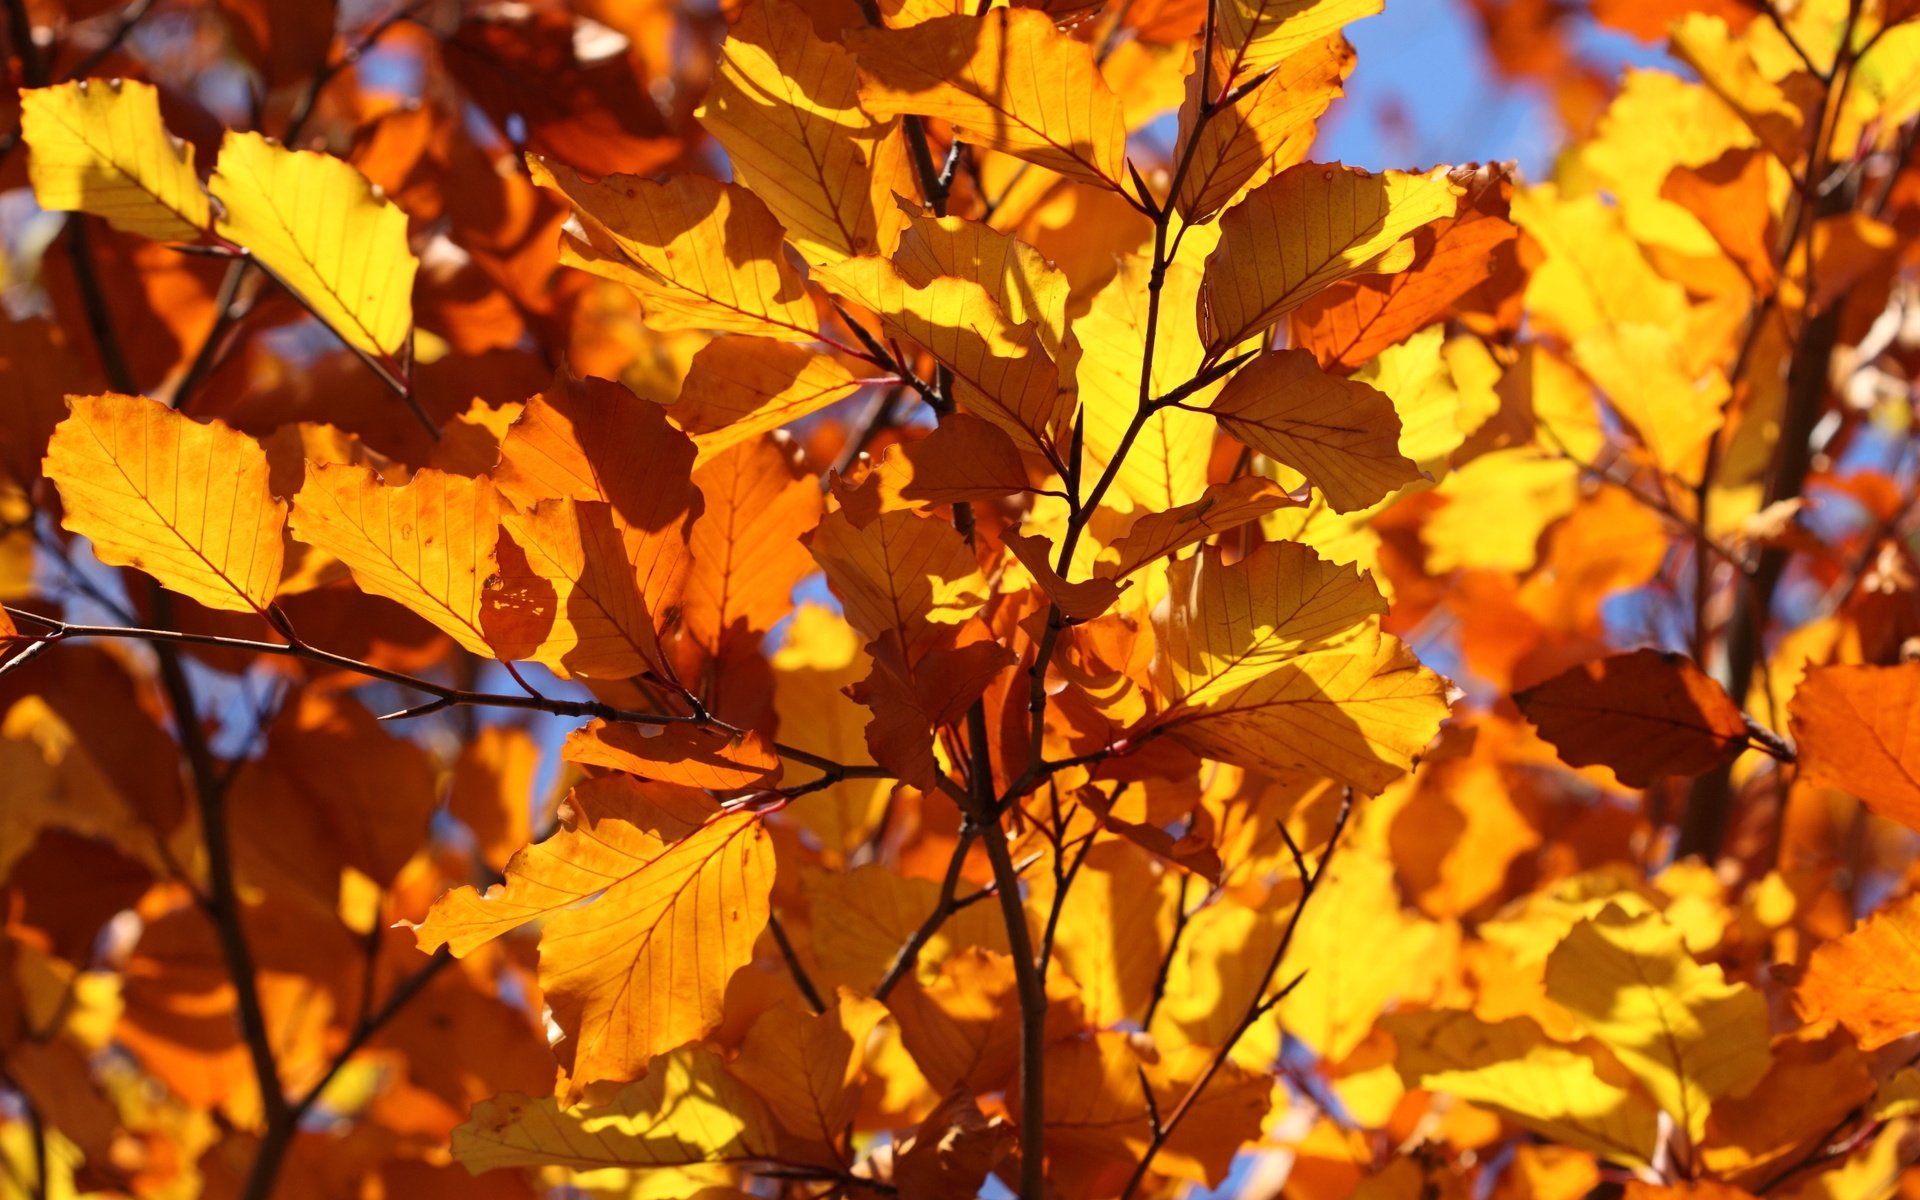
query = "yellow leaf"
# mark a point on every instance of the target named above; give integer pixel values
(1098, 1123)
(1335, 1005)
(700, 253)
(186, 503)
(681, 896)
(1029, 289)
(1007, 81)
(1226, 625)
(862, 919)
(1357, 714)
(99, 146)
(1593, 273)
(900, 574)
(324, 231)
(1117, 888)
(1257, 34)
(1643, 371)
(1004, 373)
(785, 105)
(1265, 266)
(759, 499)
(1166, 464)
(685, 754)
(1686, 1033)
(1497, 506)
(428, 544)
(687, 1110)
(1343, 435)
(741, 387)
(1512, 1068)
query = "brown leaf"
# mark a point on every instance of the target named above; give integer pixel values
(1646, 715)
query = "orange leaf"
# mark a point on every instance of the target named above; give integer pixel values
(1856, 731)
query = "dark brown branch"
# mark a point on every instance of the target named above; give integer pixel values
(801, 979)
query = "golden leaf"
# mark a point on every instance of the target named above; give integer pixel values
(324, 231)
(1007, 81)
(1266, 265)
(1227, 625)
(785, 105)
(186, 503)
(681, 895)
(428, 544)
(1687, 1034)
(1343, 435)
(688, 1110)
(701, 254)
(1512, 1068)
(99, 146)
(1358, 714)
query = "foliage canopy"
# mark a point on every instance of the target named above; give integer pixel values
(882, 597)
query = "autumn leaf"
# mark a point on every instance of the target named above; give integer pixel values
(323, 230)
(1259, 273)
(428, 543)
(1513, 1069)
(1851, 725)
(1645, 715)
(1257, 34)
(701, 254)
(186, 503)
(681, 891)
(685, 1111)
(739, 388)
(785, 105)
(1343, 435)
(1008, 80)
(1227, 625)
(99, 146)
(1360, 715)
(1687, 1034)
(1005, 374)
(807, 1067)
(1245, 143)
(680, 754)
(901, 574)
(1221, 508)
(1864, 980)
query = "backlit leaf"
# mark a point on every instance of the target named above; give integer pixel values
(700, 254)
(186, 503)
(1866, 980)
(1686, 1033)
(99, 146)
(1343, 435)
(1359, 714)
(1007, 80)
(785, 105)
(322, 229)
(687, 1110)
(681, 895)
(428, 544)
(1854, 729)
(1311, 226)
